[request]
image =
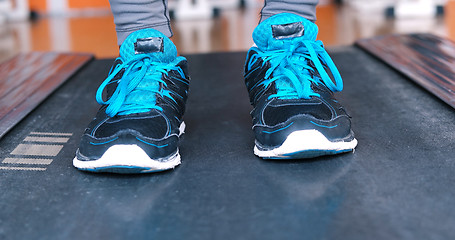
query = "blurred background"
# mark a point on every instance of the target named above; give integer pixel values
(202, 26)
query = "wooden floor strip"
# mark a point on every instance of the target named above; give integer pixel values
(426, 59)
(27, 79)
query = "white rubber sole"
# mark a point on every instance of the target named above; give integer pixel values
(306, 144)
(127, 159)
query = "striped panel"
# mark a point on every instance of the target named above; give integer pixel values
(38, 161)
(37, 150)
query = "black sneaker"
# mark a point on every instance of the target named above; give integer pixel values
(137, 129)
(295, 114)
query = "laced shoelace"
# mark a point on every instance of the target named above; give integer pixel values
(292, 64)
(137, 69)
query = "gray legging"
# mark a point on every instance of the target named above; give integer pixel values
(132, 15)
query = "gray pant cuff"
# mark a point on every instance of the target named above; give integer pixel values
(310, 17)
(306, 9)
(164, 28)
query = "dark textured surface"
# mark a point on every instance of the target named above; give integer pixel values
(397, 185)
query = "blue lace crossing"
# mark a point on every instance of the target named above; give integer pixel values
(291, 64)
(132, 97)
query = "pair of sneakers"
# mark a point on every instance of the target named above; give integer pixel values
(289, 76)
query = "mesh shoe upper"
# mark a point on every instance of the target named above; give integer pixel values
(143, 99)
(291, 80)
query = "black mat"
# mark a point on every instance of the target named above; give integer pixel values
(399, 183)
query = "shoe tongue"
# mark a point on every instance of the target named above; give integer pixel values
(151, 42)
(278, 31)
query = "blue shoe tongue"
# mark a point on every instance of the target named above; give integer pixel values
(161, 50)
(280, 30)
(151, 42)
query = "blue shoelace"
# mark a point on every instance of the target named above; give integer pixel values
(292, 64)
(130, 96)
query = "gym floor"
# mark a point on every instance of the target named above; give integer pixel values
(230, 31)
